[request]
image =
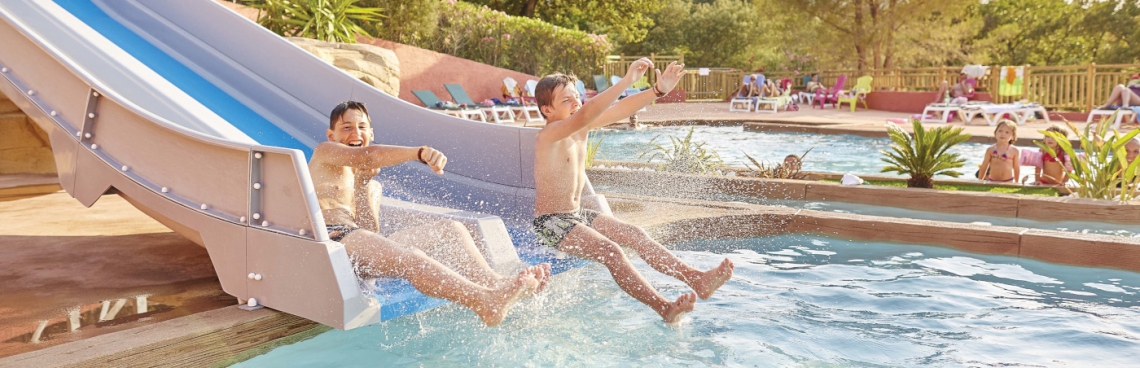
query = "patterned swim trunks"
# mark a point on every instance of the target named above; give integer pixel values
(553, 227)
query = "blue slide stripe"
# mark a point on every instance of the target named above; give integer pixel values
(239, 115)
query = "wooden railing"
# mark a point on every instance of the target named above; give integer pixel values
(1065, 88)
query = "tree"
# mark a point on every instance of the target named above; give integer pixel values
(719, 33)
(1058, 32)
(882, 33)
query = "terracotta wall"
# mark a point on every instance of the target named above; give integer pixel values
(426, 69)
(908, 101)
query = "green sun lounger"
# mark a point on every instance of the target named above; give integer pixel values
(429, 99)
(499, 114)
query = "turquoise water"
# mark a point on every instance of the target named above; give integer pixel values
(795, 300)
(835, 153)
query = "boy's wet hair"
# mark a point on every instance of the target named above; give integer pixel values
(1012, 127)
(343, 107)
(544, 92)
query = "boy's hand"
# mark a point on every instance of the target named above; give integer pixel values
(434, 159)
(638, 68)
(667, 80)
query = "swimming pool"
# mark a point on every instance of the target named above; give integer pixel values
(795, 300)
(833, 153)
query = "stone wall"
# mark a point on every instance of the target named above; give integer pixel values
(374, 65)
(24, 147)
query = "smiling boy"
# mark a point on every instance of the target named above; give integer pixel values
(560, 175)
(439, 259)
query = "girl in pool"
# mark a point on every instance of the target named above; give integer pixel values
(1002, 162)
(1052, 168)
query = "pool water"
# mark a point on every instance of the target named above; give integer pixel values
(833, 153)
(795, 300)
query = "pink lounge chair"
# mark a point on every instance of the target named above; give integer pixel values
(830, 95)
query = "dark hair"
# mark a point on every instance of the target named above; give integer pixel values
(343, 107)
(544, 92)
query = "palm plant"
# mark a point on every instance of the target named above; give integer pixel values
(925, 154)
(592, 146)
(326, 20)
(683, 156)
(776, 171)
(1103, 167)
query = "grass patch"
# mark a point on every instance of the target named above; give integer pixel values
(1047, 192)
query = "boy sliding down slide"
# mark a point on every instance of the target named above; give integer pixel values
(439, 259)
(560, 175)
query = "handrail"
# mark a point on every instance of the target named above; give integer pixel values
(99, 90)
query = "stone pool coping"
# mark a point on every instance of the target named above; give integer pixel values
(1021, 206)
(1087, 250)
(230, 335)
(817, 176)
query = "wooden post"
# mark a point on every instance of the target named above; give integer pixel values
(1090, 87)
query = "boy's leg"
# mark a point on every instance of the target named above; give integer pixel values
(705, 283)
(377, 256)
(449, 243)
(584, 242)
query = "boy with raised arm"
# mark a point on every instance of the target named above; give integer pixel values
(560, 175)
(439, 259)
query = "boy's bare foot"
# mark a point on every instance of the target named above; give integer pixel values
(542, 274)
(495, 304)
(673, 311)
(706, 284)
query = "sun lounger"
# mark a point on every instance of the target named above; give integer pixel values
(528, 113)
(600, 83)
(499, 114)
(775, 102)
(1121, 116)
(742, 101)
(994, 112)
(581, 87)
(433, 103)
(943, 112)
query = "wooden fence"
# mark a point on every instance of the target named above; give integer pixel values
(1062, 88)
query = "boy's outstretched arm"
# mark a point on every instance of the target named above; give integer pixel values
(594, 108)
(377, 156)
(666, 81)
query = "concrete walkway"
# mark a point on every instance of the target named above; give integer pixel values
(825, 121)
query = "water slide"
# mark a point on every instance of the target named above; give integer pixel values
(205, 121)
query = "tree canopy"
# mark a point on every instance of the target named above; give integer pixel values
(864, 34)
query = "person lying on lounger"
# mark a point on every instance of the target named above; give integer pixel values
(958, 92)
(439, 259)
(560, 175)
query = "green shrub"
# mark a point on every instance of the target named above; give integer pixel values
(517, 43)
(405, 21)
(326, 20)
(924, 156)
(1102, 168)
(683, 156)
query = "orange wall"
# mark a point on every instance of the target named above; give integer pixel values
(426, 69)
(908, 101)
